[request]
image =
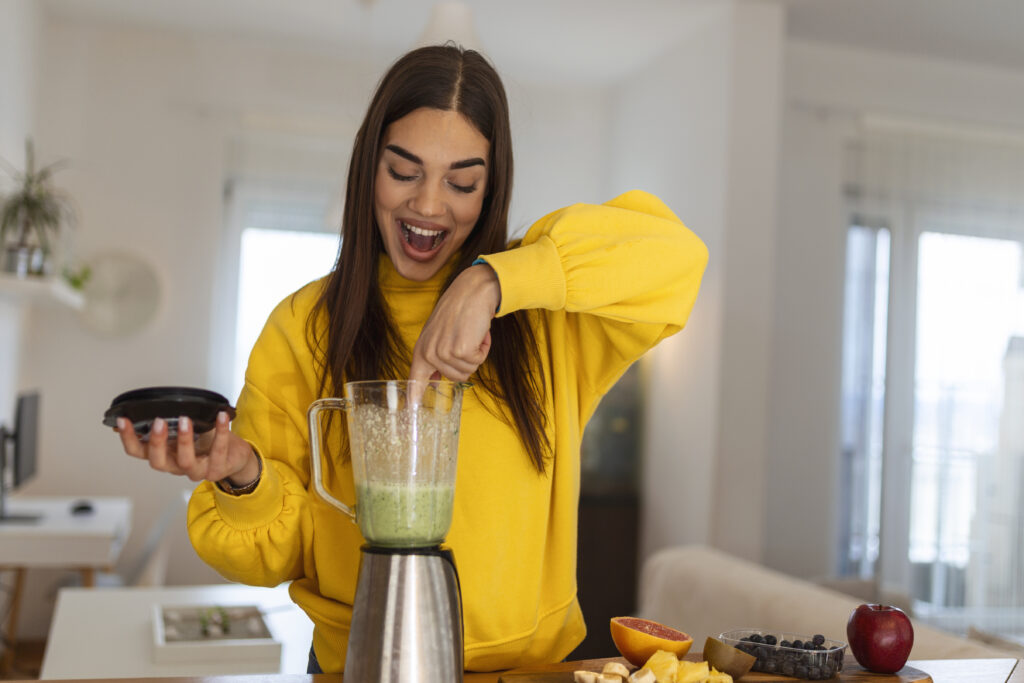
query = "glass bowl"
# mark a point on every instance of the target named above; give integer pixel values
(811, 657)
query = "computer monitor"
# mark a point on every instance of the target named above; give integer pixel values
(18, 452)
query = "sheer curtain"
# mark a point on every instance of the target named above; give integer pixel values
(933, 509)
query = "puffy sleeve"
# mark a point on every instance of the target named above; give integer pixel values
(260, 538)
(625, 274)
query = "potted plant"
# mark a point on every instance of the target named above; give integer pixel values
(31, 216)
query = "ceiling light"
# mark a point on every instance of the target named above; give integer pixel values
(450, 20)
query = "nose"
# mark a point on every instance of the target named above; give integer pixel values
(427, 200)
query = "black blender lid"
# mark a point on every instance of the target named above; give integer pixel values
(142, 406)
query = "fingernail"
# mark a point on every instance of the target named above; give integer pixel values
(159, 425)
(222, 418)
(184, 424)
(121, 423)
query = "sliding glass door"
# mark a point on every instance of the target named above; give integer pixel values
(937, 494)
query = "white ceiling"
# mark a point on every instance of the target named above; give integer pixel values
(983, 31)
(590, 41)
(587, 40)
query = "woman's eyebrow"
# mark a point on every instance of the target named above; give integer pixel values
(406, 154)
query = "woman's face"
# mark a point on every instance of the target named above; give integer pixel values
(429, 187)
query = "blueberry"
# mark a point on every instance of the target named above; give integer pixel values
(814, 673)
(788, 668)
(800, 671)
(770, 639)
(769, 667)
(756, 638)
(786, 643)
(819, 639)
(798, 644)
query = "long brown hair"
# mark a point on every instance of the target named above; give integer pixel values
(360, 340)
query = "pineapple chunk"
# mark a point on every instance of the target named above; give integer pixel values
(692, 672)
(663, 665)
(644, 675)
(718, 677)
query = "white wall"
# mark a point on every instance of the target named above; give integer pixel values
(147, 119)
(700, 129)
(670, 138)
(755, 99)
(18, 29)
(827, 91)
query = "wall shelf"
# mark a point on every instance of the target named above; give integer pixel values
(41, 290)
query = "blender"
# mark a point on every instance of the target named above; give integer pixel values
(407, 611)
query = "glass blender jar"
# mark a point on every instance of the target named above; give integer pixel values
(407, 612)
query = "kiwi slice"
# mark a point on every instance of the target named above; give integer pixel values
(727, 659)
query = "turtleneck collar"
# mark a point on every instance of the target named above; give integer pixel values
(390, 280)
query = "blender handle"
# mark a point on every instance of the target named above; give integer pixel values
(315, 409)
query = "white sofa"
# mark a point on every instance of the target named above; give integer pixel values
(703, 591)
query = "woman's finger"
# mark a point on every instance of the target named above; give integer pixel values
(156, 447)
(194, 468)
(220, 451)
(455, 368)
(129, 439)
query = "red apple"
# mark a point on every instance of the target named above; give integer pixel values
(880, 637)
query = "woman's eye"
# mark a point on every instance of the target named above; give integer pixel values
(398, 176)
(463, 188)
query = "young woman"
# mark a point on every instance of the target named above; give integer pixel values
(426, 286)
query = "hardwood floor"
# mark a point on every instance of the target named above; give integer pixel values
(27, 663)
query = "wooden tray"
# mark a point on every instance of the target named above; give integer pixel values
(851, 673)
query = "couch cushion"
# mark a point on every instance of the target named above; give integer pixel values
(704, 591)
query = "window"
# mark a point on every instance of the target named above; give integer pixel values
(273, 263)
(969, 306)
(278, 238)
(932, 447)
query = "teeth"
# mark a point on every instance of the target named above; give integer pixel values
(422, 231)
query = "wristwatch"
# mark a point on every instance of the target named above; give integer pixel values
(226, 486)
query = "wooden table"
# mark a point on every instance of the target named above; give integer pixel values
(941, 671)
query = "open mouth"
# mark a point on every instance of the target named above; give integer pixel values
(422, 239)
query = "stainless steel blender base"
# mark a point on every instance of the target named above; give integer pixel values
(407, 618)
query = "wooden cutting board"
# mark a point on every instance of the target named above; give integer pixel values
(851, 673)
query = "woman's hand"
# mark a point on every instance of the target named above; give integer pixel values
(456, 338)
(215, 455)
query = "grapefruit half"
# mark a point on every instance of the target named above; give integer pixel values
(637, 639)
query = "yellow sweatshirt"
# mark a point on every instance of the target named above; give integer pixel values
(604, 284)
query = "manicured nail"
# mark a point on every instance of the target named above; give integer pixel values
(159, 425)
(184, 424)
(121, 423)
(222, 418)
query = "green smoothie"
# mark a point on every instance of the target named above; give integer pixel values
(404, 515)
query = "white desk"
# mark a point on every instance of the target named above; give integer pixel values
(87, 542)
(108, 632)
(61, 539)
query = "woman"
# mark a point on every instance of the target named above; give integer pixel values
(425, 286)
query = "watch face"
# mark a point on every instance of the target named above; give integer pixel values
(142, 406)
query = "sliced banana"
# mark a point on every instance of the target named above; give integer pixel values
(585, 677)
(616, 669)
(642, 676)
